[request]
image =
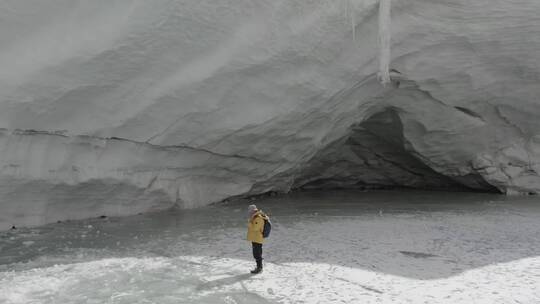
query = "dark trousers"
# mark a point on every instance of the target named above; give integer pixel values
(257, 253)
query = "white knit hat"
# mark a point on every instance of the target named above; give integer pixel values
(251, 210)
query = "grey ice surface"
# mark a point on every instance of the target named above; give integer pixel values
(384, 246)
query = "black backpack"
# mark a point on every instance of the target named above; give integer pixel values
(267, 226)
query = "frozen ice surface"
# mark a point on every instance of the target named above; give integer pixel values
(326, 247)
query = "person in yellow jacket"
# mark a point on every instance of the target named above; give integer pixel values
(255, 235)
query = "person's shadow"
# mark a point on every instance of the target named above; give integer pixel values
(224, 281)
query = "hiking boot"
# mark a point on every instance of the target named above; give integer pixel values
(259, 267)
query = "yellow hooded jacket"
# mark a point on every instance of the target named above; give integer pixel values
(255, 228)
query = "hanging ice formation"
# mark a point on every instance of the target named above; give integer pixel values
(350, 10)
(385, 37)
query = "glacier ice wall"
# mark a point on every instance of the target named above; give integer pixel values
(127, 106)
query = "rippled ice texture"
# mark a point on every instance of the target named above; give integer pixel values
(332, 247)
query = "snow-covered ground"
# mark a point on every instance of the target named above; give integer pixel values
(326, 247)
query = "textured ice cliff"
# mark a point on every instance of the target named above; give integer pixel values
(126, 106)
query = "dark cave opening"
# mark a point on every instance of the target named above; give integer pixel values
(376, 155)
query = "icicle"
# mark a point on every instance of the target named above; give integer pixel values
(353, 20)
(385, 36)
(350, 16)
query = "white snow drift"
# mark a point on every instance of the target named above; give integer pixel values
(340, 247)
(194, 101)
